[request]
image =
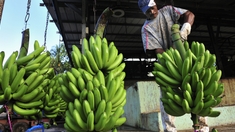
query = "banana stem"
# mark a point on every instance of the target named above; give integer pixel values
(177, 42)
(195, 119)
(102, 22)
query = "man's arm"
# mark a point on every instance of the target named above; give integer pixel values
(185, 30)
(189, 17)
(159, 50)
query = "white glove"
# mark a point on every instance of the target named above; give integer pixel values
(185, 30)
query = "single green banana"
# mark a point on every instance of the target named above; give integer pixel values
(161, 68)
(188, 97)
(73, 89)
(113, 53)
(120, 121)
(214, 113)
(75, 59)
(205, 111)
(167, 57)
(160, 82)
(71, 78)
(215, 77)
(108, 108)
(83, 95)
(87, 76)
(97, 54)
(95, 81)
(85, 45)
(116, 63)
(194, 80)
(34, 104)
(91, 59)
(5, 79)
(169, 110)
(89, 85)
(10, 60)
(219, 90)
(35, 83)
(100, 109)
(39, 59)
(207, 77)
(32, 67)
(198, 107)
(97, 96)
(101, 123)
(207, 57)
(199, 97)
(178, 59)
(113, 118)
(211, 61)
(186, 45)
(13, 72)
(104, 92)
(173, 70)
(118, 95)
(91, 121)
(67, 94)
(91, 99)
(100, 76)
(78, 106)
(209, 103)
(81, 83)
(25, 112)
(112, 88)
(187, 79)
(78, 55)
(17, 80)
(7, 93)
(185, 67)
(185, 106)
(85, 64)
(211, 88)
(105, 52)
(168, 79)
(2, 56)
(20, 91)
(31, 78)
(121, 100)
(24, 60)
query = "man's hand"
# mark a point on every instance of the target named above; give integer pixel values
(185, 31)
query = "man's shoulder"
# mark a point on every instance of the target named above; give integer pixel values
(166, 8)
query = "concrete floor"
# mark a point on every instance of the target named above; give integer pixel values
(230, 128)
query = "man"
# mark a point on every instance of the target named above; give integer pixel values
(156, 37)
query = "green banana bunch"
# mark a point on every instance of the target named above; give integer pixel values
(24, 81)
(189, 78)
(54, 105)
(94, 87)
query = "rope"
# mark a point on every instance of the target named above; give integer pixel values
(8, 117)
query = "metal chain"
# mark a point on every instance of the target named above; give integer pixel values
(45, 33)
(26, 19)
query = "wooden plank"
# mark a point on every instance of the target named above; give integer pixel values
(229, 92)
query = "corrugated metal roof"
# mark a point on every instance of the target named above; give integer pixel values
(213, 26)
